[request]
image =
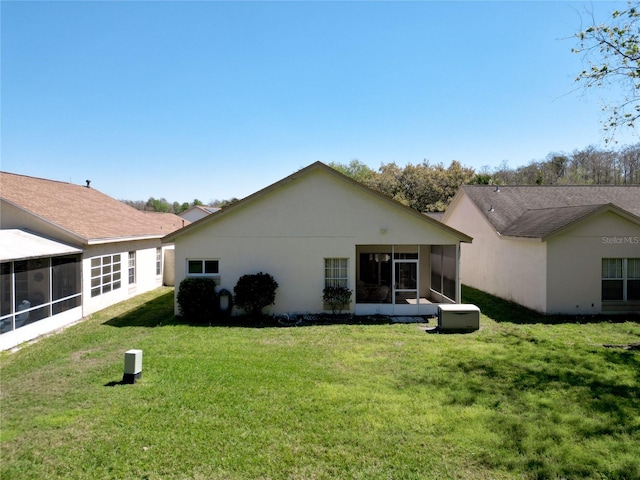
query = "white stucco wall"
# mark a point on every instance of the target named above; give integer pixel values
(512, 269)
(290, 230)
(146, 278)
(575, 261)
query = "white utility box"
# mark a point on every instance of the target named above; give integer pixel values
(132, 366)
(458, 317)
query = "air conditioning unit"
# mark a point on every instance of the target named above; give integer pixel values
(458, 318)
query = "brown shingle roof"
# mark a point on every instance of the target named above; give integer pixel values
(85, 212)
(538, 211)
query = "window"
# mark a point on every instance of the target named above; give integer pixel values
(336, 272)
(132, 268)
(620, 279)
(158, 261)
(204, 268)
(105, 274)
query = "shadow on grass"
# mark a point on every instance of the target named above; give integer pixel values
(505, 311)
(154, 313)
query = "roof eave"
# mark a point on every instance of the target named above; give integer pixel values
(102, 241)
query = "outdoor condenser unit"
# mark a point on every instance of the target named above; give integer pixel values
(458, 317)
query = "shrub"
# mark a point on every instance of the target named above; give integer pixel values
(197, 299)
(337, 297)
(254, 292)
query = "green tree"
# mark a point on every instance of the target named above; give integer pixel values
(355, 169)
(157, 205)
(612, 56)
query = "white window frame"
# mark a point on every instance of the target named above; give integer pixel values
(132, 268)
(204, 274)
(106, 274)
(158, 261)
(626, 274)
(336, 272)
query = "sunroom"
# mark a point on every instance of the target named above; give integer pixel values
(40, 286)
(405, 279)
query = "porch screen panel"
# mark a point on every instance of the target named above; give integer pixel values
(443, 270)
(436, 268)
(449, 271)
(6, 298)
(32, 289)
(66, 283)
(6, 292)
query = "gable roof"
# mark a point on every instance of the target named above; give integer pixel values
(540, 211)
(301, 174)
(203, 208)
(84, 212)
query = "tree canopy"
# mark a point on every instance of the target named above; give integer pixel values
(612, 57)
(430, 187)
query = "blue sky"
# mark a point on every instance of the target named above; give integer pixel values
(213, 100)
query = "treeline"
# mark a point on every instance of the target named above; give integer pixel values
(589, 166)
(429, 188)
(162, 205)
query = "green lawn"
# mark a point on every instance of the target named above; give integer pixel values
(518, 399)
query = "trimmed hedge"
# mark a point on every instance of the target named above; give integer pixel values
(197, 299)
(253, 292)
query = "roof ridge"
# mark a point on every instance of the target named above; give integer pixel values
(590, 205)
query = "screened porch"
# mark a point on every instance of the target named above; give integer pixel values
(405, 279)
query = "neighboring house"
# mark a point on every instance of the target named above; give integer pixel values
(554, 249)
(318, 227)
(197, 212)
(67, 251)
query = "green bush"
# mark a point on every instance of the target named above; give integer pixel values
(197, 299)
(253, 292)
(338, 297)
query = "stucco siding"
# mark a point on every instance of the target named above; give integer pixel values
(289, 231)
(146, 278)
(575, 261)
(513, 269)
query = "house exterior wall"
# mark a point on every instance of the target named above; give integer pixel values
(574, 279)
(512, 269)
(146, 278)
(289, 231)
